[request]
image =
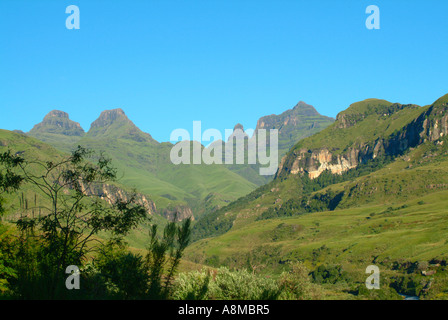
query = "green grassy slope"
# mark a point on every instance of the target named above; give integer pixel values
(391, 237)
(147, 167)
(421, 171)
(375, 120)
(390, 210)
(145, 164)
(366, 125)
(395, 218)
(34, 149)
(414, 230)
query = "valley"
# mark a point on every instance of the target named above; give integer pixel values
(368, 189)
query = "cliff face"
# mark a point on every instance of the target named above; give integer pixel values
(429, 125)
(317, 161)
(111, 194)
(179, 212)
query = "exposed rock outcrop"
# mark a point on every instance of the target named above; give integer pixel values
(111, 193)
(293, 118)
(115, 124)
(430, 125)
(57, 122)
(108, 117)
(179, 212)
(315, 162)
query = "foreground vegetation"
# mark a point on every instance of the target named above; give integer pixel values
(63, 234)
(387, 210)
(293, 238)
(76, 228)
(407, 242)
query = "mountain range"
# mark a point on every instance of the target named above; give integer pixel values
(364, 138)
(145, 164)
(369, 187)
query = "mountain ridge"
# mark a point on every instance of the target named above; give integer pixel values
(114, 123)
(389, 210)
(145, 163)
(335, 155)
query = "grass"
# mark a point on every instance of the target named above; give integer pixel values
(393, 214)
(353, 238)
(146, 166)
(372, 127)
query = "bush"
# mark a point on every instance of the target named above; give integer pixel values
(242, 285)
(225, 285)
(329, 274)
(125, 274)
(385, 293)
(192, 286)
(296, 284)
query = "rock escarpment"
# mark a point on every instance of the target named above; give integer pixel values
(430, 124)
(177, 213)
(111, 193)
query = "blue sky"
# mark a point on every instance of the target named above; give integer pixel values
(168, 63)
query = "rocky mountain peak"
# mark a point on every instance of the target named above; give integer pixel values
(108, 117)
(304, 109)
(302, 104)
(297, 116)
(115, 123)
(238, 126)
(57, 114)
(57, 122)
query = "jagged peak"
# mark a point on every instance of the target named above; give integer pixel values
(238, 126)
(302, 104)
(108, 117)
(57, 122)
(114, 122)
(293, 116)
(305, 108)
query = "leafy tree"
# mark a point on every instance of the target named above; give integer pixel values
(9, 182)
(296, 284)
(65, 231)
(124, 274)
(9, 179)
(329, 274)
